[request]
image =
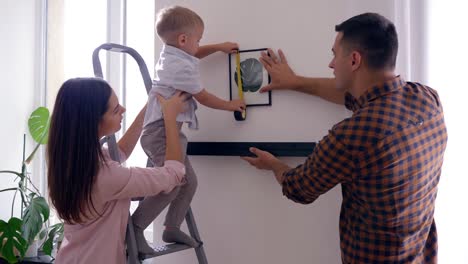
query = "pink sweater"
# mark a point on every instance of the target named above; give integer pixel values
(101, 239)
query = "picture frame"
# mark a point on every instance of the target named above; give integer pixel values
(254, 76)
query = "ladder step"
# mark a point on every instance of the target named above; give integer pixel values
(165, 249)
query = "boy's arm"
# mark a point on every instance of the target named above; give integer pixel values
(226, 47)
(210, 100)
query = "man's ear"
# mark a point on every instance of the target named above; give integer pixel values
(356, 60)
(182, 40)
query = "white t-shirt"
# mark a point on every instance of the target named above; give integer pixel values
(175, 70)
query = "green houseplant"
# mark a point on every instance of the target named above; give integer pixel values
(18, 234)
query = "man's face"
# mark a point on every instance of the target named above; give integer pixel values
(341, 64)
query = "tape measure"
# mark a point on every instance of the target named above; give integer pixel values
(239, 116)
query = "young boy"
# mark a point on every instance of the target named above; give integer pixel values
(177, 69)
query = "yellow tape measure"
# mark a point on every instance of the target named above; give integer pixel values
(239, 116)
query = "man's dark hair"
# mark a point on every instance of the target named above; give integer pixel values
(374, 37)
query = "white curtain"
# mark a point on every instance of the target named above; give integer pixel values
(433, 43)
(447, 56)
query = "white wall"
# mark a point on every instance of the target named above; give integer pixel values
(19, 93)
(447, 73)
(306, 43)
(241, 213)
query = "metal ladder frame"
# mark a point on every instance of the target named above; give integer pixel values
(132, 252)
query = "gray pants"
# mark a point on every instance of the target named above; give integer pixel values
(153, 141)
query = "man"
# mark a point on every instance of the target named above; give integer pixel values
(387, 155)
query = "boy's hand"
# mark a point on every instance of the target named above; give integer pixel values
(236, 105)
(228, 47)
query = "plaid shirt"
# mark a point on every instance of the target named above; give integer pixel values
(387, 157)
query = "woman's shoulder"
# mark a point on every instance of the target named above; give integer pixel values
(111, 172)
(113, 155)
(112, 176)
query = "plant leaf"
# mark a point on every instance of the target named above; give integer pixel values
(49, 243)
(55, 230)
(10, 235)
(34, 216)
(42, 234)
(38, 124)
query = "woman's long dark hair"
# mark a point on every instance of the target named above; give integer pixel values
(73, 150)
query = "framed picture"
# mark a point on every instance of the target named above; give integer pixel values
(253, 75)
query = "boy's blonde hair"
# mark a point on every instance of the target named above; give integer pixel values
(175, 20)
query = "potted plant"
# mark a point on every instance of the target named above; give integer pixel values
(19, 234)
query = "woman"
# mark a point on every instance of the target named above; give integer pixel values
(90, 192)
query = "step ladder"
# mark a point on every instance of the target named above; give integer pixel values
(132, 252)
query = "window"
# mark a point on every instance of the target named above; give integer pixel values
(86, 25)
(140, 36)
(84, 29)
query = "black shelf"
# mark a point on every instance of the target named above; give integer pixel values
(281, 149)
